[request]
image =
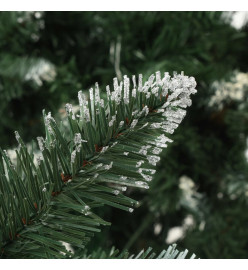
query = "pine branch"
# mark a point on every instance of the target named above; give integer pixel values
(108, 146)
(170, 253)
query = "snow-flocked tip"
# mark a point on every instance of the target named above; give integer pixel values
(18, 137)
(41, 143)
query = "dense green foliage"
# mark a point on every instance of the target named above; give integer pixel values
(80, 48)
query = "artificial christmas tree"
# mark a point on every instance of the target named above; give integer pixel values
(202, 176)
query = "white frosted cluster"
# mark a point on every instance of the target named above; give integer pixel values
(123, 188)
(116, 192)
(182, 87)
(168, 128)
(73, 156)
(108, 91)
(68, 107)
(160, 110)
(151, 79)
(121, 124)
(175, 94)
(126, 89)
(165, 84)
(117, 93)
(111, 122)
(156, 151)
(145, 111)
(148, 178)
(155, 91)
(140, 82)
(134, 81)
(95, 175)
(91, 94)
(85, 210)
(39, 159)
(144, 125)
(174, 115)
(148, 84)
(179, 88)
(173, 119)
(80, 98)
(99, 165)
(77, 138)
(48, 120)
(83, 102)
(18, 138)
(104, 149)
(143, 149)
(134, 123)
(78, 141)
(158, 78)
(150, 171)
(125, 153)
(134, 93)
(142, 184)
(108, 167)
(114, 144)
(162, 140)
(139, 163)
(148, 95)
(145, 173)
(97, 94)
(41, 143)
(153, 160)
(155, 125)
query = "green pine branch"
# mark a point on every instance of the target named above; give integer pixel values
(104, 148)
(170, 253)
